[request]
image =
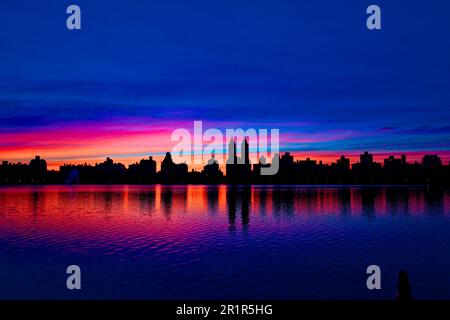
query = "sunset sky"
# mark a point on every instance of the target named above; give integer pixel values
(140, 69)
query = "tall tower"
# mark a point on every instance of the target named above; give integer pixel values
(366, 159)
(245, 155)
(232, 157)
(247, 151)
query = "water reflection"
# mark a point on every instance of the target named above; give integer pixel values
(213, 200)
(368, 198)
(239, 202)
(160, 234)
(231, 205)
(345, 195)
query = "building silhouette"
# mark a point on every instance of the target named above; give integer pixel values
(262, 163)
(171, 171)
(343, 164)
(212, 172)
(14, 173)
(392, 163)
(431, 162)
(286, 167)
(366, 160)
(38, 170)
(110, 172)
(366, 170)
(142, 172)
(430, 171)
(239, 169)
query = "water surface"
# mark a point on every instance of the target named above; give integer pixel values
(219, 242)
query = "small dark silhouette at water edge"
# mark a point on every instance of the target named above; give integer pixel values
(403, 287)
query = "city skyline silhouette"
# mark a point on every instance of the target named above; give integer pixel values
(238, 169)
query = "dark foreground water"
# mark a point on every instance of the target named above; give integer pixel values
(185, 242)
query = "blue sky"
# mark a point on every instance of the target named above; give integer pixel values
(310, 68)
